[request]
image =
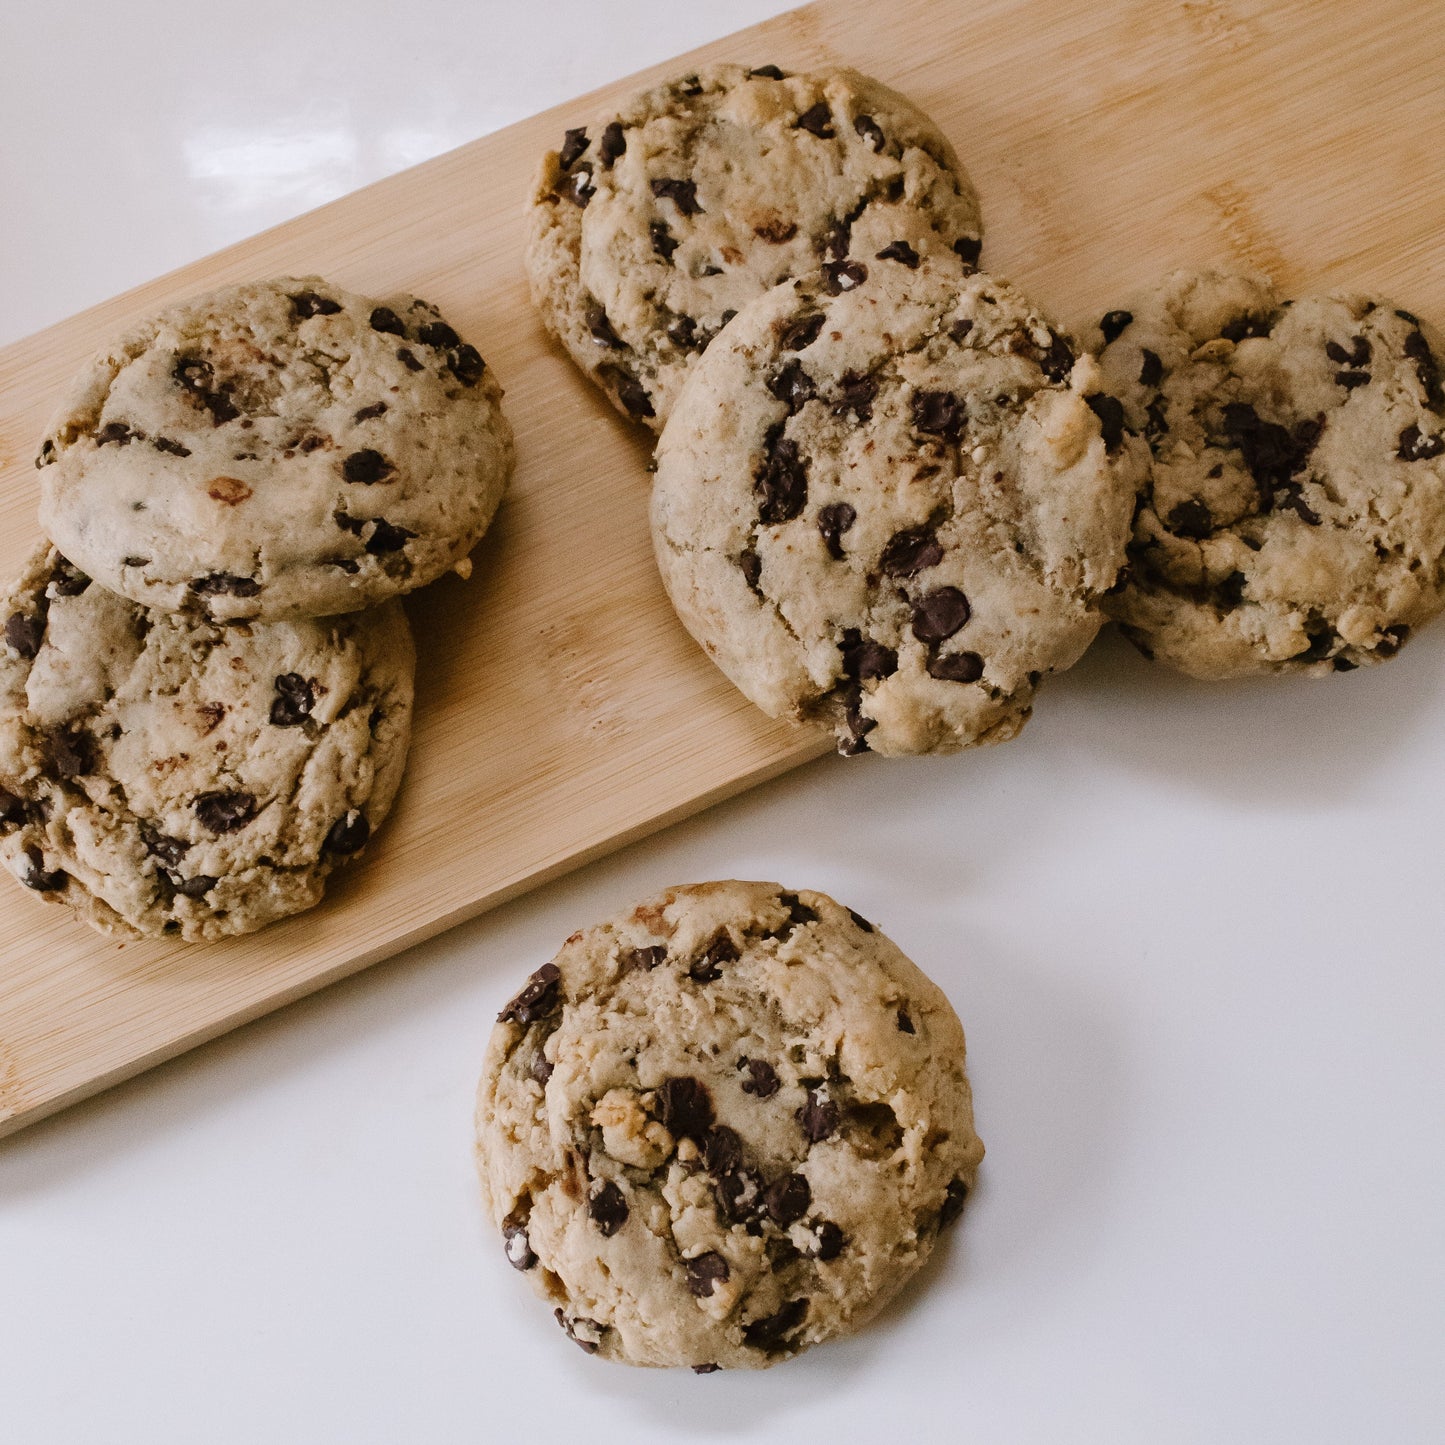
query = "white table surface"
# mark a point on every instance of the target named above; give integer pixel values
(1194, 933)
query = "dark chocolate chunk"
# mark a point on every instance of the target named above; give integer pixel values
(939, 413)
(225, 812)
(787, 1199)
(870, 131)
(955, 666)
(828, 1241)
(1151, 368)
(1355, 357)
(1427, 368)
(684, 1107)
(739, 1195)
(858, 726)
(818, 1116)
(600, 329)
(541, 1070)
(1289, 497)
(407, 357)
(643, 960)
(910, 551)
(1392, 639)
(1415, 446)
(683, 194)
(117, 433)
(571, 1327)
(466, 364)
(36, 875)
(706, 1369)
(47, 453)
(722, 1151)
(13, 810)
(1343, 664)
(161, 845)
(25, 633)
(355, 525)
(628, 390)
(515, 1243)
(781, 479)
(771, 72)
(366, 413)
(682, 332)
(905, 1022)
(960, 329)
(708, 968)
(295, 697)
(1230, 592)
(752, 567)
(1351, 379)
(860, 921)
(833, 521)
(196, 887)
(967, 249)
(612, 144)
(953, 1198)
(1271, 453)
(864, 658)
(574, 142)
(769, 1333)
(705, 1272)
(762, 1080)
(1113, 323)
(366, 466)
(308, 303)
(937, 615)
(817, 120)
(438, 334)
(802, 331)
(1190, 518)
(664, 243)
(386, 538)
(70, 751)
(215, 584)
(843, 275)
(1110, 411)
(385, 320)
(540, 997)
(1249, 325)
(607, 1206)
(792, 385)
(776, 231)
(857, 392)
(578, 187)
(1156, 423)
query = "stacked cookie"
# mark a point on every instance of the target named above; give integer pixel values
(206, 678)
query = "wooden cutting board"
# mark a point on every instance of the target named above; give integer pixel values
(561, 710)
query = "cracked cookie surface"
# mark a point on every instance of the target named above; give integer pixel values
(889, 501)
(278, 449)
(162, 774)
(1294, 520)
(724, 1126)
(657, 223)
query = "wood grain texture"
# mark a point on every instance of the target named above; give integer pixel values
(561, 711)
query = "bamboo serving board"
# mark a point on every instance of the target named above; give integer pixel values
(561, 710)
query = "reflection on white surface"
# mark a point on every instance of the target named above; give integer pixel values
(293, 165)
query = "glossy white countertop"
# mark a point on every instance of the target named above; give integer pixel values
(1194, 934)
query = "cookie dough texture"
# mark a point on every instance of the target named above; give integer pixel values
(1295, 517)
(655, 224)
(886, 503)
(724, 1126)
(163, 774)
(279, 449)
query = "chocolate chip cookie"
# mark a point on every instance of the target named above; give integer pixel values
(164, 774)
(654, 225)
(724, 1126)
(1295, 516)
(888, 502)
(280, 449)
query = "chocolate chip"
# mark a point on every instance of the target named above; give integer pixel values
(1289, 497)
(1392, 640)
(1156, 422)
(833, 521)
(843, 275)
(685, 1108)
(781, 479)
(541, 1070)
(683, 333)
(1057, 359)
(407, 357)
(1351, 379)
(905, 1023)
(310, 443)
(466, 364)
(600, 329)
(643, 960)
(386, 538)
(762, 1079)
(1151, 369)
(385, 320)
(1113, 324)
(612, 144)
(161, 845)
(860, 921)
(117, 433)
(295, 697)
(573, 1329)
(347, 835)
(752, 567)
(47, 453)
(787, 1199)
(438, 334)
(539, 998)
(13, 810)
(858, 727)
(705, 1272)
(771, 72)
(968, 249)
(722, 1151)
(1190, 518)
(196, 376)
(781, 1252)
(1271, 453)
(828, 1241)
(683, 194)
(193, 373)
(1230, 592)
(366, 466)
(215, 584)
(308, 303)
(196, 887)
(939, 413)
(953, 1198)
(801, 332)
(366, 413)
(1343, 664)
(768, 1333)
(607, 1207)
(70, 751)
(818, 1116)
(516, 1244)
(355, 525)
(1322, 639)
(1356, 357)
(573, 144)
(664, 243)
(857, 392)
(135, 562)
(870, 131)
(1415, 446)
(706, 1369)
(865, 659)
(708, 968)
(955, 666)
(937, 615)
(225, 812)
(776, 231)
(628, 390)
(792, 385)
(910, 551)
(579, 188)
(817, 120)
(35, 875)
(25, 633)
(1110, 412)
